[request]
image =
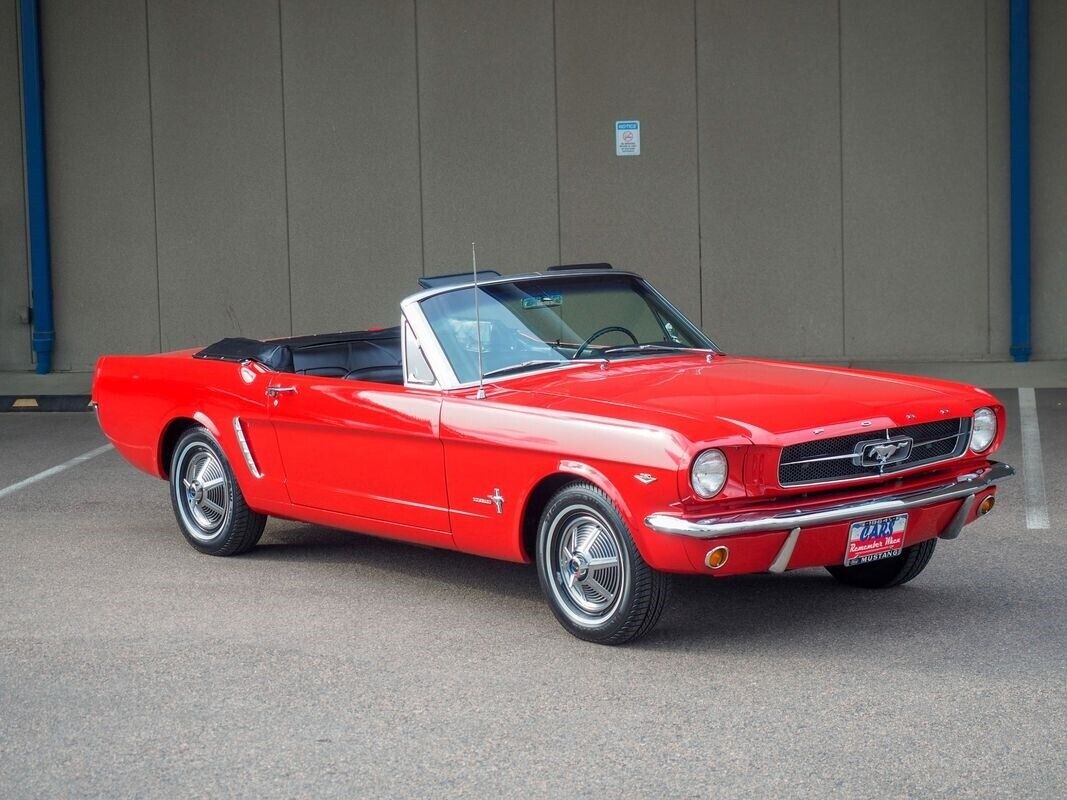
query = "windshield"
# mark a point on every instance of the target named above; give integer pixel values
(530, 324)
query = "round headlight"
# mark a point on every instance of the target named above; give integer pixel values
(983, 429)
(708, 475)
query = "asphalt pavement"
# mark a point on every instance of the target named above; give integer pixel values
(327, 664)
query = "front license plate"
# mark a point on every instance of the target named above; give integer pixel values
(875, 539)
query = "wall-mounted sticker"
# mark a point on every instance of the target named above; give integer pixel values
(628, 137)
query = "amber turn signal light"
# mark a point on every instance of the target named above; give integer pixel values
(986, 505)
(717, 557)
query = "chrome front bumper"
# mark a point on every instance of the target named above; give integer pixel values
(967, 485)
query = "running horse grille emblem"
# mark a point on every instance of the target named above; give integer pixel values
(882, 452)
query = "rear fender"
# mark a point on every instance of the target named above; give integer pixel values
(200, 418)
(256, 491)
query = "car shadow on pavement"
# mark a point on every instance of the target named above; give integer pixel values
(800, 611)
(300, 542)
(807, 611)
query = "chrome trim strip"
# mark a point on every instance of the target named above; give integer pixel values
(959, 519)
(759, 522)
(843, 456)
(941, 439)
(405, 328)
(781, 561)
(238, 429)
(418, 297)
(411, 312)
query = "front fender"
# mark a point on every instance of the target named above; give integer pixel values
(633, 498)
(582, 470)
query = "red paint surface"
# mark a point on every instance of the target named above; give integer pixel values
(414, 463)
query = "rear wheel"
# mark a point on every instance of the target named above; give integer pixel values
(591, 573)
(207, 502)
(888, 572)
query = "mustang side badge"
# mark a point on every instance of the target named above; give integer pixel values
(495, 499)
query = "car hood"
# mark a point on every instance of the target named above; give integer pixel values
(762, 399)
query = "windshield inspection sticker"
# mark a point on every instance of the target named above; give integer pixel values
(628, 137)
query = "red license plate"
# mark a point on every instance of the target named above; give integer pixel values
(875, 539)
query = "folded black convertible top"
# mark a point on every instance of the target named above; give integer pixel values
(278, 353)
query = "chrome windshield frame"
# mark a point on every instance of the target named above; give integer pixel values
(412, 313)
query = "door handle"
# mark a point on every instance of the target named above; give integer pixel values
(274, 391)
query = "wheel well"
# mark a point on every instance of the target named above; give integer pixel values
(175, 429)
(535, 505)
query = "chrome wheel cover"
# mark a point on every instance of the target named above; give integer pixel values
(202, 492)
(585, 561)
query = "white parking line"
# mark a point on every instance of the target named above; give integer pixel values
(48, 473)
(1033, 465)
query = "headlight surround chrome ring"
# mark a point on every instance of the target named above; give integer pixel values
(983, 429)
(708, 473)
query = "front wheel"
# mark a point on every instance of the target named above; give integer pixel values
(888, 572)
(591, 573)
(208, 504)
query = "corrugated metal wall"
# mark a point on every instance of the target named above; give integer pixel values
(818, 179)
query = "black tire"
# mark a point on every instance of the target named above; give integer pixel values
(201, 481)
(889, 572)
(598, 602)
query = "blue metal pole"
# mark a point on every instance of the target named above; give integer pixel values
(44, 335)
(1020, 178)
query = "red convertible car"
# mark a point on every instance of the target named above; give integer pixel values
(572, 418)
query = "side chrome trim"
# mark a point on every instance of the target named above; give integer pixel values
(964, 485)
(238, 429)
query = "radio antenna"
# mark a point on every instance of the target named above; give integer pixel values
(477, 324)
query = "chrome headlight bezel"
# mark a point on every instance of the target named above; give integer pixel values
(983, 429)
(709, 472)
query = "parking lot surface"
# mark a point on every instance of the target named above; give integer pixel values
(330, 664)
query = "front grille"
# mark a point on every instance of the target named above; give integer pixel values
(835, 459)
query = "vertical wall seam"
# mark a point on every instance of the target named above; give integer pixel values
(841, 174)
(285, 168)
(555, 102)
(700, 218)
(152, 157)
(418, 133)
(988, 245)
(16, 11)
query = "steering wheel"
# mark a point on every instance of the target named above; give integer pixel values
(597, 334)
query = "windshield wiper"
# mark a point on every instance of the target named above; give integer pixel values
(525, 365)
(649, 348)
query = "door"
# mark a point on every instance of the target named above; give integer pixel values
(371, 450)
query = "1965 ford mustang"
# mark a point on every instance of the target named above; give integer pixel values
(573, 418)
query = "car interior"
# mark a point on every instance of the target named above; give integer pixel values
(355, 355)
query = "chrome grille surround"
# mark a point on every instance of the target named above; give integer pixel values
(836, 459)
